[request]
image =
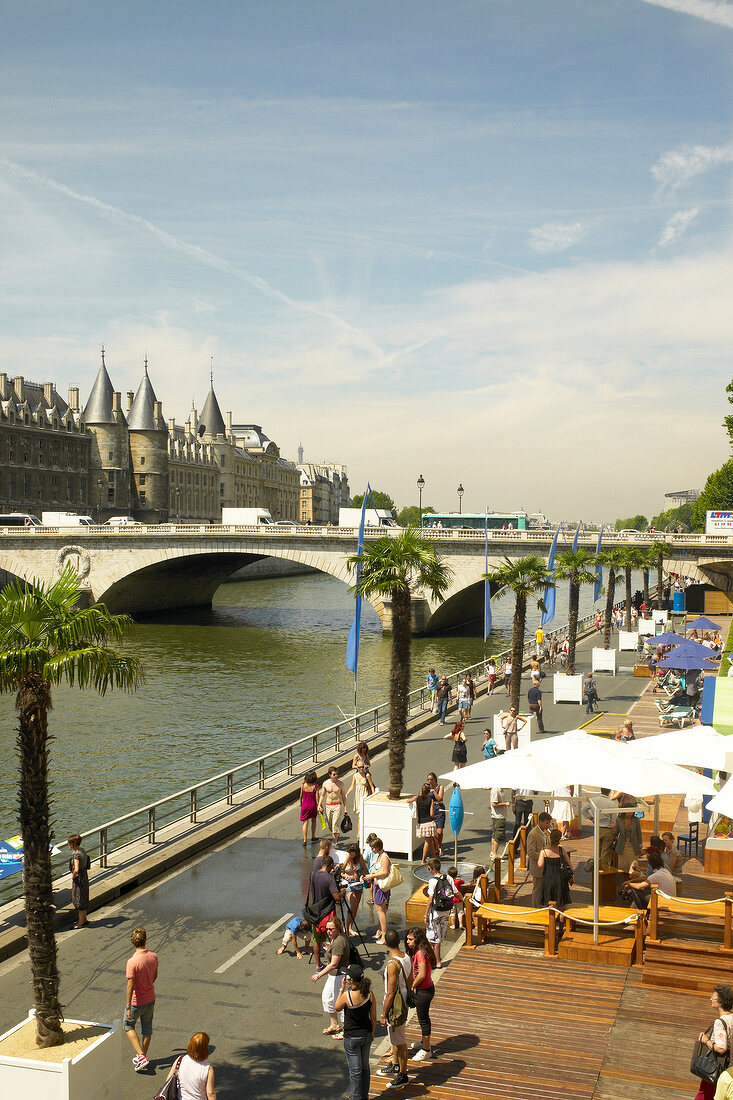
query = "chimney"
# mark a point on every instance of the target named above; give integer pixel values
(74, 398)
(172, 424)
(130, 399)
(18, 386)
(117, 405)
(229, 423)
(48, 392)
(3, 386)
(158, 413)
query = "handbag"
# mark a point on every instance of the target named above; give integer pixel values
(391, 879)
(171, 1090)
(566, 872)
(708, 1064)
(346, 824)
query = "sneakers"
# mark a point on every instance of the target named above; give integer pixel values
(390, 1070)
(398, 1081)
(421, 1055)
(140, 1062)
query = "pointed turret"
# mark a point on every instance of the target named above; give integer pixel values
(141, 417)
(98, 409)
(211, 422)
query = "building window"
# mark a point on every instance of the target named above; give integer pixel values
(142, 460)
(111, 495)
(142, 498)
(110, 456)
(221, 489)
(142, 479)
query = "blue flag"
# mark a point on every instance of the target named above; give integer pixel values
(352, 644)
(487, 586)
(599, 574)
(577, 535)
(550, 593)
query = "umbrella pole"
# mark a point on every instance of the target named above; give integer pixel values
(656, 815)
(596, 869)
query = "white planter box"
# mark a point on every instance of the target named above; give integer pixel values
(646, 628)
(567, 689)
(604, 660)
(628, 639)
(393, 823)
(526, 734)
(94, 1074)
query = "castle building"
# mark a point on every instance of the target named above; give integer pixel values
(105, 461)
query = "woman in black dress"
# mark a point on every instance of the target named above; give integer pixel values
(557, 871)
(79, 865)
(459, 756)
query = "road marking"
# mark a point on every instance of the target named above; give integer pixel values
(258, 939)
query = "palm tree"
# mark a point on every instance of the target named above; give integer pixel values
(658, 551)
(527, 578)
(631, 557)
(395, 568)
(45, 639)
(574, 566)
(613, 561)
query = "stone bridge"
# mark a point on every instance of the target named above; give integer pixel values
(170, 567)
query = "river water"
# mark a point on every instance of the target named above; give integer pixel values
(264, 667)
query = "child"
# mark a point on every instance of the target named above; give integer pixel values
(294, 928)
(458, 916)
(489, 745)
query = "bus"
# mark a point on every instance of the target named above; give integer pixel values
(477, 521)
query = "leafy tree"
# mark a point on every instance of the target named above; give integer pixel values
(574, 566)
(527, 578)
(410, 515)
(381, 500)
(394, 568)
(716, 495)
(635, 523)
(612, 559)
(658, 551)
(45, 639)
(673, 517)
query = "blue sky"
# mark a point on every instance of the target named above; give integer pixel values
(486, 241)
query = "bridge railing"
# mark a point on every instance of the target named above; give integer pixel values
(245, 782)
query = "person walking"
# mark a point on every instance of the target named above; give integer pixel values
(195, 1074)
(356, 1001)
(141, 973)
(397, 975)
(534, 701)
(309, 804)
(464, 699)
(508, 676)
(719, 1035)
(437, 793)
(443, 697)
(491, 674)
(441, 892)
(332, 798)
(537, 839)
(362, 786)
(381, 897)
(423, 961)
(425, 806)
(79, 865)
(457, 735)
(590, 693)
(337, 953)
(431, 682)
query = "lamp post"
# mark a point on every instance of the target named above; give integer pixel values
(100, 486)
(178, 503)
(420, 487)
(460, 491)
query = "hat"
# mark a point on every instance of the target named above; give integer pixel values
(354, 972)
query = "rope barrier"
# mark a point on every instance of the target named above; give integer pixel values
(691, 901)
(506, 911)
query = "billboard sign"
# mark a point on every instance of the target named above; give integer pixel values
(719, 523)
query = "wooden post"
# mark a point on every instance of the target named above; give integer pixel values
(523, 847)
(497, 880)
(510, 864)
(639, 937)
(551, 930)
(654, 916)
(727, 922)
(469, 921)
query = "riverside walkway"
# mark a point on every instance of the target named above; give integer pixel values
(216, 923)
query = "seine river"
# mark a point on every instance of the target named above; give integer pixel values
(264, 667)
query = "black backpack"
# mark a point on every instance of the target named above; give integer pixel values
(443, 895)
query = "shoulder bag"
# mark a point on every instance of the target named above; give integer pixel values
(171, 1090)
(708, 1064)
(397, 1014)
(391, 879)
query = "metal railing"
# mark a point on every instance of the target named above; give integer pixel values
(245, 782)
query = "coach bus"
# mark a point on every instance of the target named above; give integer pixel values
(477, 521)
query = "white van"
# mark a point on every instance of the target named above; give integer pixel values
(66, 519)
(20, 519)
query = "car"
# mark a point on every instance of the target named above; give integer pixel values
(629, 532)
(122, 521)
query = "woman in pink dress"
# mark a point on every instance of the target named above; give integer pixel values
(309, 804)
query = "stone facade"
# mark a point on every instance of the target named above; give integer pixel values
(324, 488)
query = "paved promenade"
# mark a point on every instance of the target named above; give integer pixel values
(216, 924)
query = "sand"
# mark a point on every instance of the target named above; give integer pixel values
(77, 1037)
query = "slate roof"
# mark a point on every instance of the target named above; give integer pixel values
(141, 417)
(211, 422)
(98, 409)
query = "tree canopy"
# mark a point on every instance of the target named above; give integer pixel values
(717, 494)
(409, 516)
(637, 523)
(381, 500)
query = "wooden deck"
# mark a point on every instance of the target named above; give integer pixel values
(516, 1026)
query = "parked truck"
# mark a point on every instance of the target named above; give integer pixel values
(373, 517)
(66, 519)
(242, 517)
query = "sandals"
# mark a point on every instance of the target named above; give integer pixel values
(331, 1030)
(336, 1035)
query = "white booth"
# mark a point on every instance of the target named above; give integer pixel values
(628, 639)
(604, 660)
(567, 689)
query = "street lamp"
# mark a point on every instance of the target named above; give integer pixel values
(420, 487)
(100, 486)
(178, 503)
(460, 497)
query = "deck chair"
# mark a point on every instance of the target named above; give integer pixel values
(677, 717)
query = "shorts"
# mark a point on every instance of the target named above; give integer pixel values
(289, 936)
(397, 1036)
(436, 927)
(380, 896)
(498, 829)
(143, 1013)
(318, 937)
(354, 887)
(426, 830)
(333, 814)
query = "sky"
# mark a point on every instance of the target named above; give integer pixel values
(485, 241)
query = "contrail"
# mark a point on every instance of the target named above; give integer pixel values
(202, 255)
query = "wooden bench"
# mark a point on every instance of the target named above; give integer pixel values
(491, 912)
(609, 914)
(716, 915)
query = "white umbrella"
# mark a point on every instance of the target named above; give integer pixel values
(695, 747)
(723, 801)
(516, 769)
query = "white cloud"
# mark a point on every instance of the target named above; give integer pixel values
(679, 166)
(676, 226)
(557, 236)
(713, 11)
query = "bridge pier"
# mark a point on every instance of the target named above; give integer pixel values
(420, 610)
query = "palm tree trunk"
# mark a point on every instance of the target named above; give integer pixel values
(520, 620)
(660, 578)
(574, 600)
(399, 686)
(33, 703)
(628, 597)
(610, 593)
(645, 574)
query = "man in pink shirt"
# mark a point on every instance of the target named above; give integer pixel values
(141, 972)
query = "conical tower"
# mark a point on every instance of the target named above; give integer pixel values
(108, 484)
(148, 454)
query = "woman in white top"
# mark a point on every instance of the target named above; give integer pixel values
(722, 1001)
(195, 1074)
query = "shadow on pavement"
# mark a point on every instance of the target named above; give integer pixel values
(272, 1070)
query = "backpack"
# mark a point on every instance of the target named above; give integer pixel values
(443, 895)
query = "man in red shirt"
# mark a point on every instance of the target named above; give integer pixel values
(141, 972)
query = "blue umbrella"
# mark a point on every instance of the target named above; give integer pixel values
(702, 624)
(455, 813)
(670, 638)
(695, 649)
(682, 661)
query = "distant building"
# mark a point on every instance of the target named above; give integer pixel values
(324, 488)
